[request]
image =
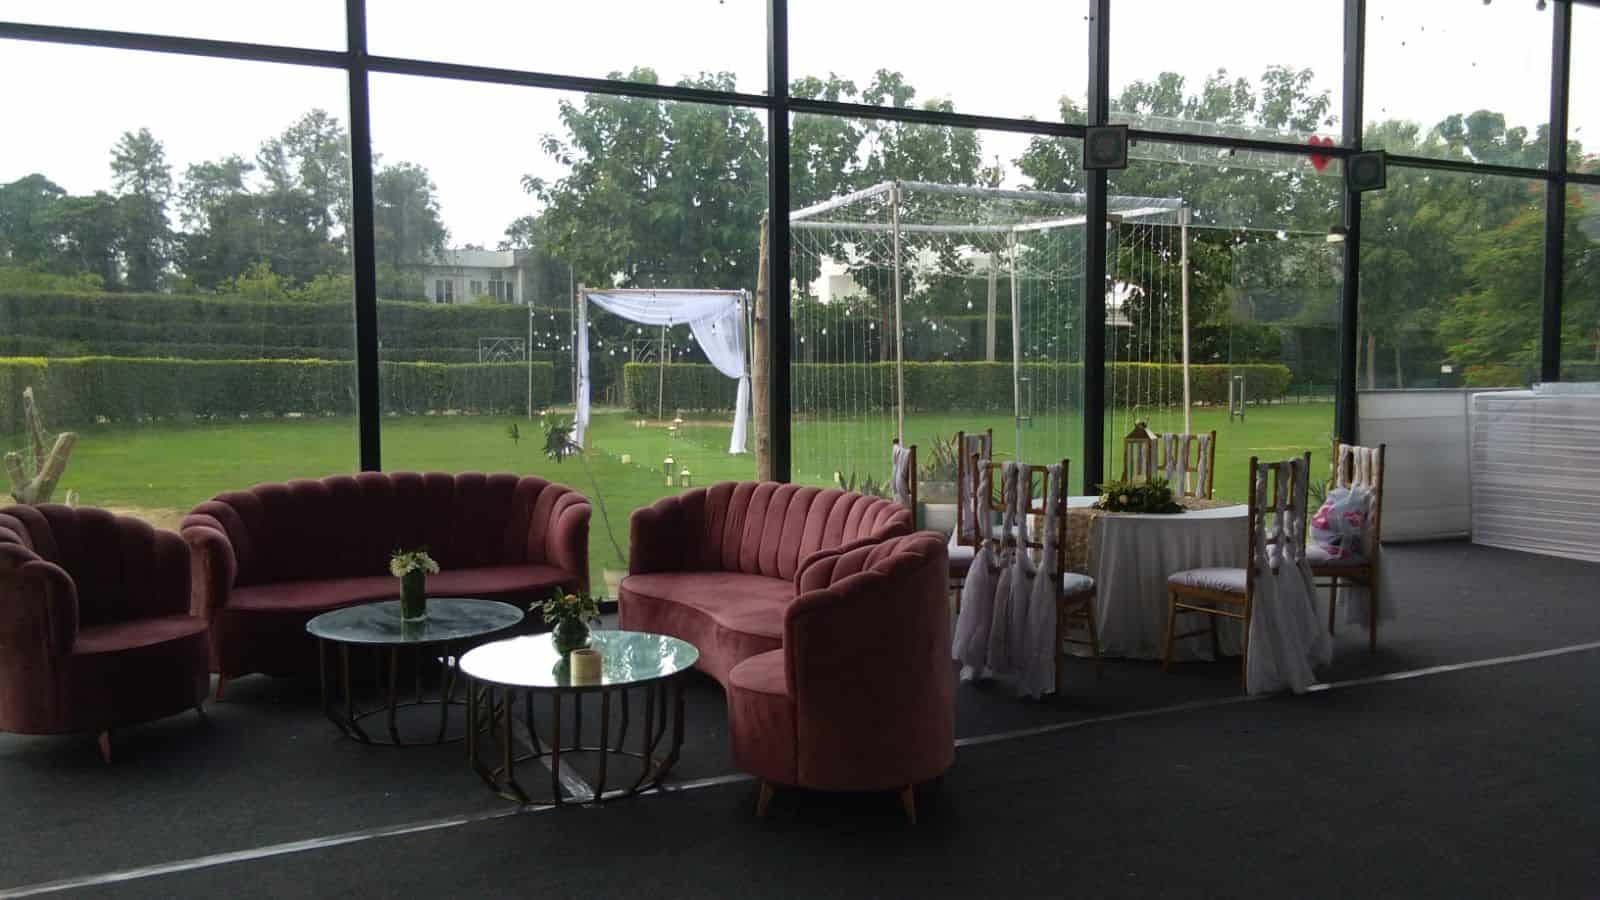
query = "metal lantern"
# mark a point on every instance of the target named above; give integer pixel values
(666, 466)
(1138, 454)
(683, 479)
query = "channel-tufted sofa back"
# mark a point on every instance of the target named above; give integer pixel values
(348, 525)
(757, 528)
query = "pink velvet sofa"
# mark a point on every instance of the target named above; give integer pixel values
(861, 697)
(96, 628)
(269, 559)
(718, 566)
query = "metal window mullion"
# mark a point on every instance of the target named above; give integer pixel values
(1345, 410)
(779, 329)
(1094, 261)
(1555, 195)
(362, 244)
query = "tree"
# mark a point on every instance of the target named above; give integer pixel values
(143, 184)
(657, 194)
(91, 236)
(407, 226)
(25, 205)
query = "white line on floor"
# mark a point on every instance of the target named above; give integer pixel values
(368, 834)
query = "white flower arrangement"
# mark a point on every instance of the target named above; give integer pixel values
(404, 562)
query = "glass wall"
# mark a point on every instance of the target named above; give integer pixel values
(714, 44)
(1458, 79)
(1583, 104)
(1012, 58)
(1580, 309)
(938, 288)
(1261, 293)
(1249, 68)
(202, 236)
(1451, 267)
(175, 289)
(485, 246)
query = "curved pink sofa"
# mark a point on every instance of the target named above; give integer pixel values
(269, 559)
(718, 566)
(861, 697)
(96, 630)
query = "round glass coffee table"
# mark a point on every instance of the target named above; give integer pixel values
(451, 624)
(502, 673)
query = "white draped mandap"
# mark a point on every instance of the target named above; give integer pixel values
(715, 317)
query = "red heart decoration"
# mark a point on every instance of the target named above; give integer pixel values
(1320, 161)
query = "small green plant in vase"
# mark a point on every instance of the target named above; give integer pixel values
(413, 567)
(1134, 496)
(569, 616)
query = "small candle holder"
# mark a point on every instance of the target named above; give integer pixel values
(584, 666)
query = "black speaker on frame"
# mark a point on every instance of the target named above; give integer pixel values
(1367, 171)
(1105, 147)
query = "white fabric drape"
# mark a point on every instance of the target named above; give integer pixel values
(715, 317)
(971, 642)
(1007, 624)
(1174, 465)
(900, 476)
(1287, 640)
(1535, 472)
(976, 444)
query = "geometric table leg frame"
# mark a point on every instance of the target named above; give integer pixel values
(348, 717)
(494, 714)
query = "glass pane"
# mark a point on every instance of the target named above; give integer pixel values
(1013, 58)
(1252, 68)
(484, 248)
(934, 293)
(1583, 101)
(1458, 79)
(717, 44)
(1580, 307)
(1451, 269)
(1262, 297)
(292, 23)
(177, 275)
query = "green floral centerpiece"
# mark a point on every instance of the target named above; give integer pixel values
(1138, 496)
(413, 567)
(570, 616)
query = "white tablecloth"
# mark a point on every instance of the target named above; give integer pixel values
(1130, 557)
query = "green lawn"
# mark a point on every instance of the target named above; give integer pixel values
(161, 470)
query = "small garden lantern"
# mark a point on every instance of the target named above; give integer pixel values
(683, 479)
(1138, 454)
(666, 466)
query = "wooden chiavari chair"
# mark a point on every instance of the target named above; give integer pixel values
(1229, 593)
(1074, 593)
(1354, 466)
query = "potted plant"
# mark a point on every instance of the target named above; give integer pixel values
(569, 616)
(558, 446)
(413, 567)
(936, 485)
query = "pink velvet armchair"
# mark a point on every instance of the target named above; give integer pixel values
(96, 630)
(718, 566)
(861, 697)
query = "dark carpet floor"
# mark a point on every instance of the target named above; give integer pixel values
(1479, 782)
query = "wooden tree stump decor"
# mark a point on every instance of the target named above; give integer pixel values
(34, 472)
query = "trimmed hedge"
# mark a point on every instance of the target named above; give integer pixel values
(85, 390)
(950, 385)
(96, 322)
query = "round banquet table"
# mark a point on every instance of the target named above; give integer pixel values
(1130, 556)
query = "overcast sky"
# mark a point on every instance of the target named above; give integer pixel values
(1425, 59)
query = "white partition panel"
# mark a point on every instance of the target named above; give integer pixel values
(1536, 471)
(1426, 484)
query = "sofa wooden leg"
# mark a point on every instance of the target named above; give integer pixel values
(764, 800)
(105, 746)
(908, 802)
(222, 686)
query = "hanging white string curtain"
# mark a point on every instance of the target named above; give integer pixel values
(715, 317)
